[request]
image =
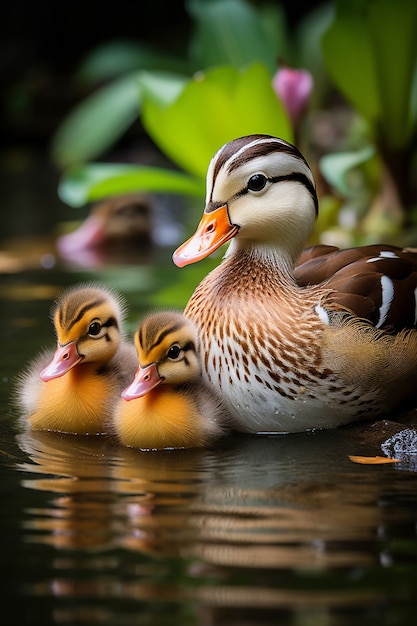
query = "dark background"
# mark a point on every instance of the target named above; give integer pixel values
(42, 44)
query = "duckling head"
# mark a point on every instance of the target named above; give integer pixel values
(166, 344)
(260, 193)
(87, 323)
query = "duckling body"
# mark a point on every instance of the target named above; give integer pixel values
(76, 388)
(168, 405)
(293, 348)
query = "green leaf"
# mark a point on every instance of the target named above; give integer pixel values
(230, 32)
(97, 122)
(162, 88)
(307, 42)
(213, 108)
(87, 183)
(115, 58)
(336, 167)
(393, 29)
(348, 55)
(370, 51)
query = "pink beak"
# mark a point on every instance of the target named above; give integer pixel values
(65, 358)
(90, 234)
(146, 378)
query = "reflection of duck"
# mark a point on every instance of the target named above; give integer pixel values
(167, 405)
(75, 389)
(117, 221)
(122, 229)
(289, 348)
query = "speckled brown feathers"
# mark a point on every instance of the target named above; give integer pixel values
(295, 340)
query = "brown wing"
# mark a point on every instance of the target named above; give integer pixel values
(376, 282)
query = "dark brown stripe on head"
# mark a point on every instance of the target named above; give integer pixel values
(83, 311)
(70, 315)
(164, 333)
(156, 327)
(264, 148)
(257, 146)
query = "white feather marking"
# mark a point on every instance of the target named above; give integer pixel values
(384, 254)
(322, 313)
(415, 301)
(387, 288)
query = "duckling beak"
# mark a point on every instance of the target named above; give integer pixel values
(65, 358)
(213, 231)
(146, 378)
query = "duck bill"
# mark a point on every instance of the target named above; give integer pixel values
(146, 378)
(89, 235)
(213, 231)
(65, 358)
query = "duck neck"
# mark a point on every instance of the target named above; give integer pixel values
(278, 259)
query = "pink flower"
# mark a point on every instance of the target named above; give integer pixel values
(293, 87)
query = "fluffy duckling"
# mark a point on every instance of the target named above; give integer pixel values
(75, 389)
(167, 405)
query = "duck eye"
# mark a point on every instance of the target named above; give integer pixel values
(257, 182)
(94, 329)
(174, 352)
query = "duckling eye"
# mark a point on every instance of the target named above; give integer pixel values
(174, 352)
(94, 329)
(257, 182)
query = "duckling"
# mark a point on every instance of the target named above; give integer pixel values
(167, 405)
(75, 389)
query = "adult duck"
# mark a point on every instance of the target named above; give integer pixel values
(295, 346)
(167, 405)
(75, 389)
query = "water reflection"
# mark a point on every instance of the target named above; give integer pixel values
(233, 527)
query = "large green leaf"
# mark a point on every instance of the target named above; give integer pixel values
(348, 54)
(393, 28)
(99, 120)
(213, 108)
(87, 183)
(231, 32)
(370, 51)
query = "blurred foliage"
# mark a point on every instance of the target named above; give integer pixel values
(369, 65)
(370, 52)
(190, 106)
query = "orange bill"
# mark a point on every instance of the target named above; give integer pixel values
(213, 231)
(146, 378)
(65, 358)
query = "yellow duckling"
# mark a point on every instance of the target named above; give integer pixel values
(167, 405)
(75, 389)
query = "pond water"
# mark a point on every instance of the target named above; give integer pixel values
(258, 530)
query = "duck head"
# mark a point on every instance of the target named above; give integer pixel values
(166, 345)
(87, 324)
(260, 193)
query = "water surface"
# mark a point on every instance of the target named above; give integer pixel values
(258, 530)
